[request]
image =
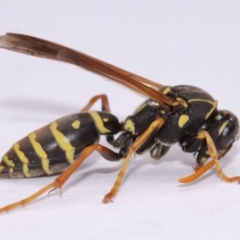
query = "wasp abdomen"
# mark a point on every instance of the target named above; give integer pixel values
(52, 148)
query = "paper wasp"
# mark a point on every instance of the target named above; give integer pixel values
(182, 114)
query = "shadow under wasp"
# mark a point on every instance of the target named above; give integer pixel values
(181, 114)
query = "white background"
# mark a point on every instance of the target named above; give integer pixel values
(171, 42)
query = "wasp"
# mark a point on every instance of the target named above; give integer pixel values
(181, 114)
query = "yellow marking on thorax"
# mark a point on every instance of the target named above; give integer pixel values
(140, 108)
(166, 90)
(218, 117)
(222, 127)
(8, 162)
(182, 120)
(213, 103)
(129, 126)
(182, 102)
(105, 119)
(63, 142)
(99, 122)
(40, 152)
(22, 158)
(76, 124)
(211, 111)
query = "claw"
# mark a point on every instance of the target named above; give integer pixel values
(55, 188)
(108, 198)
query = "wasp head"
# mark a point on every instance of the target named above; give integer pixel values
(225, 130)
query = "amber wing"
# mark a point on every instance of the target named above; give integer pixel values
(46, 49)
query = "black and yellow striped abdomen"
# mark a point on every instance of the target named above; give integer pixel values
(52, 148)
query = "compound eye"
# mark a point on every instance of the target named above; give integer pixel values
(228, 131)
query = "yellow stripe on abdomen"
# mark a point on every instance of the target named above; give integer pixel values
(99, 123)
(22, 158)
(63, 142)
(9, 163)
(40, 152)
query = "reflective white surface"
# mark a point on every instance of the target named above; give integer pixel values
(172, 42)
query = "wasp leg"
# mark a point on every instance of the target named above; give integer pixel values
(59, 181)
(213, 153)
(200, 169)
(197, 166)
(105, 103)
(199, 172)
(134, 147)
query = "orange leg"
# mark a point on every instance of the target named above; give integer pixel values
(199, 172)
(213, 153)
(105, 103)
(59, 181)
(141, 139)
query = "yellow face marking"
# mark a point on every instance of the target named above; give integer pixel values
(182, 120)
(105, 119)
(99, 122)
(63, 142)
(203, 159)
(40, 152)
(222, 127)
(166, 90)
(182, 102)
(76, 124)
(1, 168)
(213, 103)
(129, 126)
(8, 162)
